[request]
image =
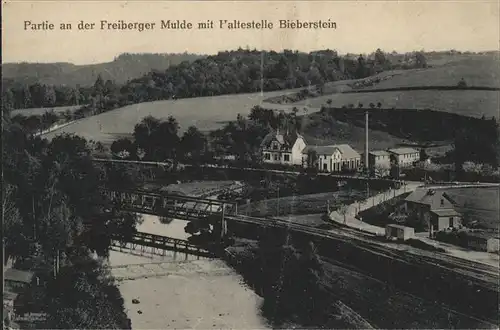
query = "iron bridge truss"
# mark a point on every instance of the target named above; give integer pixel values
(167, 205)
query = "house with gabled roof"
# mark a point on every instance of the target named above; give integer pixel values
(283, 148)
(328, 158)
(333, 158)
(404, 157)
(434, 208)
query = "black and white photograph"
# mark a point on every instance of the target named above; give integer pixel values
(250, 165)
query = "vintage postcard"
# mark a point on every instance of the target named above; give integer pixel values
(250, 164)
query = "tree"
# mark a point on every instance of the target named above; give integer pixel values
(312, 158)
(158, 138)
(26, 97)
(99, 92)
(193, 143)
(49, 97)
(47, 219)
(361, 69)
(85, 297)
(7, 102)
(462, 83)
(380, 57)
(33, 124)
(48, 119)
(420, 59)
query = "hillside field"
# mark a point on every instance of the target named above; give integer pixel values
(463, 102)
(206, 113)
(477, 70)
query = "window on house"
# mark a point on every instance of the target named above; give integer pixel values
(267, 156)
(286, 158)
(275, 146)
(451, 222)
(325, 167)
(442, 202)
(276, 157)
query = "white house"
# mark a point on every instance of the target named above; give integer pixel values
(351, 159)
(328, 158)
(286, 149)
(404, 157)
(333, 158)
(379, 163)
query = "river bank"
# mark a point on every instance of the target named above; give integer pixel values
(203, 294)
(180, 293)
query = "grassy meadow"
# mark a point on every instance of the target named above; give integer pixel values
(477, 70)
(206, 113)
(463, 102)
(482, 204)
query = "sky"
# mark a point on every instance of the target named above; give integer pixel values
(362, 27)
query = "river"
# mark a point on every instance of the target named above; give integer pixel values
(192, 294)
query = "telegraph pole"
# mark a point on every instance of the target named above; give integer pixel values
(367, 170)
(262, 73)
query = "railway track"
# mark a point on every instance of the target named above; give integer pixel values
(349, 269)
(487, 276)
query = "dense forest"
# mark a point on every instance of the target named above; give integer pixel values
(123, 68)
(54, 223)
(229, 72)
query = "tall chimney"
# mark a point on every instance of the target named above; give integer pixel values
(366, 143)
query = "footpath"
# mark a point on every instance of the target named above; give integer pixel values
(349, 218)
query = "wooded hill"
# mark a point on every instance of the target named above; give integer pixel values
(122, 68)
(228, 72)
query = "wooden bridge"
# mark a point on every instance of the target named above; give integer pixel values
(168, 205)
(153, 244)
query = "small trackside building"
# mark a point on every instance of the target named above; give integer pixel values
(399, 232)
(444, 219)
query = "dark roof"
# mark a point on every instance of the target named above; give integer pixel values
(17, 275)
(287, 139)
(321, 150)
(379, 153)
(428, 196)
(445, 212)
(403, 151)
(398, 226)
(347, 151)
